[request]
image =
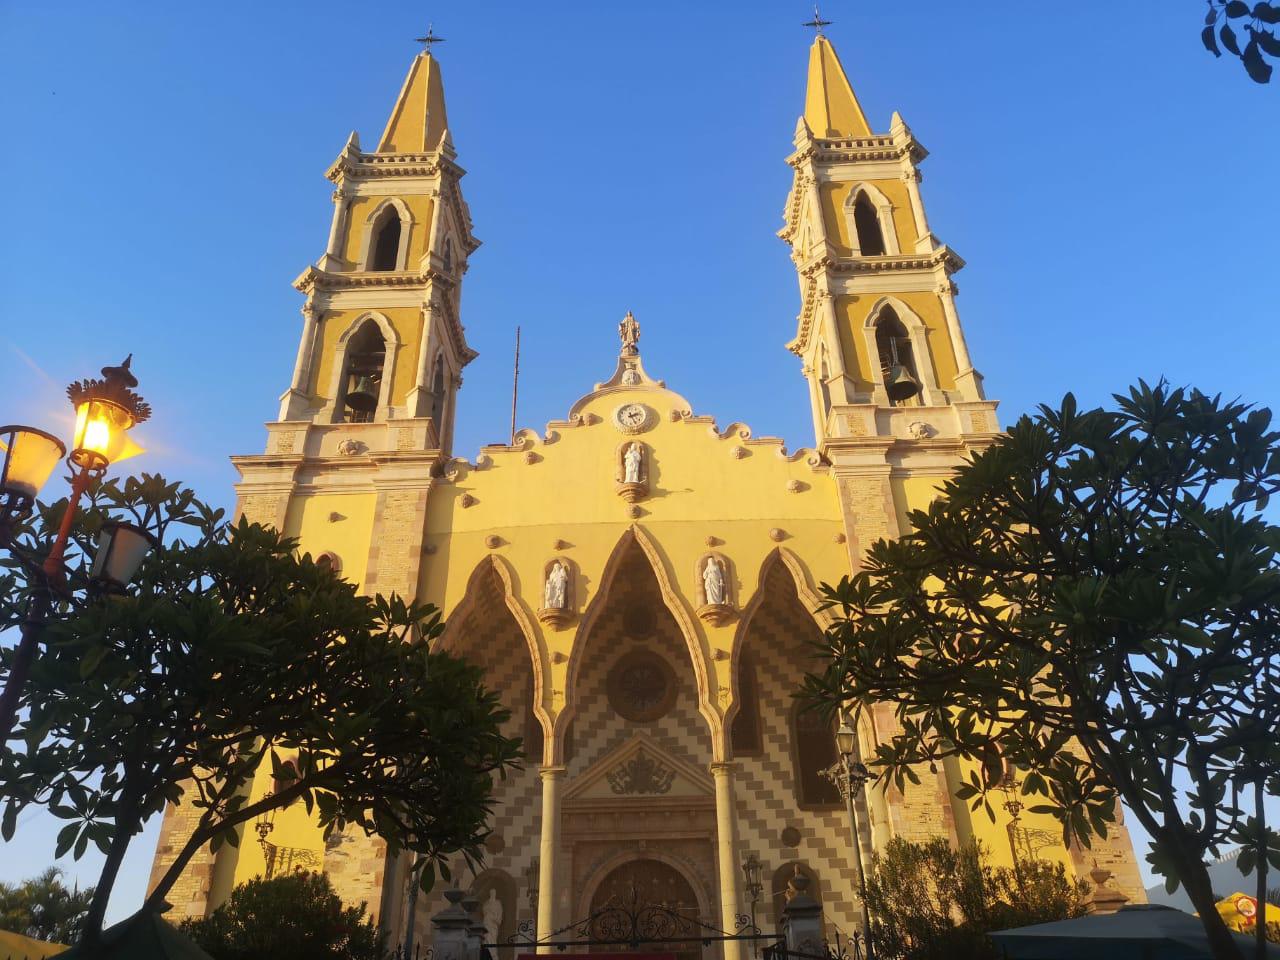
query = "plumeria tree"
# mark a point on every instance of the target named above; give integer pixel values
(230, 651)
(1096, 598)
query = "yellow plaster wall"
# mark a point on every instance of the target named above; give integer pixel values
(698, 489)
(851, 314)
(421, 209)
(293, 828)
(839, 221)
(308, 520)
(408, 324)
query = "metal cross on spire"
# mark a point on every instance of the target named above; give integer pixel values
(817, 22)
(429, 39)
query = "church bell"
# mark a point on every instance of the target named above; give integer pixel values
(362, 396)
(899, 384)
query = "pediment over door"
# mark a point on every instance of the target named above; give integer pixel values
(640, 769)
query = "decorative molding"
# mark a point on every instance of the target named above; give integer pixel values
(641, 774)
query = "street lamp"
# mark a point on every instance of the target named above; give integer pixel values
(106, 409)
(751, 867)
(850, 776)
(30, 456)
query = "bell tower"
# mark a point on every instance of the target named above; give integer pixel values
(382, 339)
(878, 335)
(366, 421)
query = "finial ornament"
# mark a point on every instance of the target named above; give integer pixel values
(429, 39)
(817, 22)
(629, 331)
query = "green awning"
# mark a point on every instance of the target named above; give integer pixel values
(144, 936)
(1138, 932)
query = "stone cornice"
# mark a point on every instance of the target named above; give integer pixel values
(943, 257)
(846, 149)
(314, 278)
(359, 165)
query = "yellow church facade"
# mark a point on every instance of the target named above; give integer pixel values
(638, 579)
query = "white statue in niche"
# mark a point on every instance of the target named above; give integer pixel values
(556, 592)
(492, 912)
(632, 463)
(713, 581)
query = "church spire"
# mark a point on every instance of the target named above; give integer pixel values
(830, 107)
(418, 122)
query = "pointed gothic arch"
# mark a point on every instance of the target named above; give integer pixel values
(375, 223)
(918, 333)
(333, 409)
(635, 538)
(473, 598)
(866, 200)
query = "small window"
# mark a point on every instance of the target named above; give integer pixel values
(362, 385)
(897, 360)
(438, 393)
(745, 732)
(813, 748)
(824, 384)
(386, 241)
(866, 222)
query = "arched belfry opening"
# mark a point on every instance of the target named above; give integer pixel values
(384, 252)
(483, 629)
(781, 749)
(898, 369)
(866, 223)
(366, 360)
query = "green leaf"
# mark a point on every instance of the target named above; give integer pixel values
(1267, 12)
(1258, 69)
(428, 878)
(1228, 37)
(1270, 45)
(66, 839)
(1237, 8)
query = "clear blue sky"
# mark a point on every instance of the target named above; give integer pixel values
(1110, 184)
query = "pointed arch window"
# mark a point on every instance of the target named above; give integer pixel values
(438, 392)
(898, 370)
(385, 252)
(745, 732)
(866, 223)
(824, 379)
(362, 378)
(813, 749)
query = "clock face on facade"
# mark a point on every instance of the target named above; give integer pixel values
(632, 417)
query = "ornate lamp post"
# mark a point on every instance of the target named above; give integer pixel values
(850, 776)
(751, 867)
(106, 409)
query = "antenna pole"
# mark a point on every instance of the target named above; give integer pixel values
(515, 388)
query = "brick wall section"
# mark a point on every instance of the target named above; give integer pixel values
(354, 862)
(190, 895)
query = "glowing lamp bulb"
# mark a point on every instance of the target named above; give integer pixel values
(101, 435)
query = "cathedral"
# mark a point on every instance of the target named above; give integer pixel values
(639, 580)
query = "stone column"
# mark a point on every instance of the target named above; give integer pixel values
(449, 929)
(802, 920)
(968, 381)
(726, 847)
(925, 242)
(549, 849)
(418, 403)
(293, 404)
(340, 203)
